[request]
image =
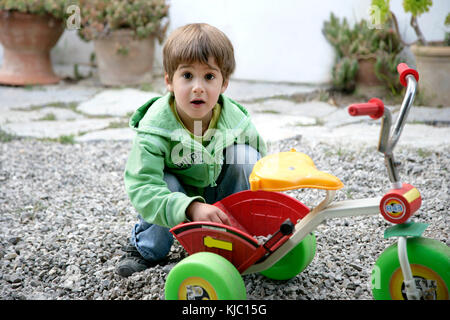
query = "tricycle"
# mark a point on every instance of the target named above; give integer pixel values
(273, 233)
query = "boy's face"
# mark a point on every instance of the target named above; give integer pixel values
(196, 87)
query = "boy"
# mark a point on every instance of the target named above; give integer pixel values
(193, 147)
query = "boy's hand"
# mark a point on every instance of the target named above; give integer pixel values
(198, 211)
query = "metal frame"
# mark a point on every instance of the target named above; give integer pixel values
(388, 139)
(412, 293)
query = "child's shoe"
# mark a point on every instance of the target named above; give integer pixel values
(131, 262)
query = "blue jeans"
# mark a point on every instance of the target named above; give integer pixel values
(154, 242)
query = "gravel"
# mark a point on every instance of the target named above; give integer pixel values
(64, 217)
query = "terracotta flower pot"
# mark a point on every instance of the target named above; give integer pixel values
(366, 73)
(433, 65)
(27, 40)
(124, 60)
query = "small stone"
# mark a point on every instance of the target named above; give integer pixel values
(14, 278)
(168, 267)
(34, 283)
(10, 256)
(358, 292)
(345, 283)
(270, 287)
(16, 285)
(14, 240)
(106, 283)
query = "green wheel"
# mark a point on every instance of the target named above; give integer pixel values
(204, 276)
(295, 261)
(430, 266)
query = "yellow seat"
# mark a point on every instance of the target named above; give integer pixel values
(290, 170)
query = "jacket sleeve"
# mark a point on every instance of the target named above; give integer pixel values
(146, 188)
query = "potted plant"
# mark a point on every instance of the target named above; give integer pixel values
(29, 29)
(124, 34)
(432, 57)
(365, 56)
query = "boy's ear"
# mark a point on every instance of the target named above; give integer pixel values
(224, 86)
(168, 82)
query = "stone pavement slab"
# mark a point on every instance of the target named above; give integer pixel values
(56, 129)
(429, 115)
(360, 134)
(27, 97)
(116, 102)
(312, 109)
(47, 113)
(116, 134)
(247, 91)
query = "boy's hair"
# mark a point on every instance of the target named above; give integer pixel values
(196, 43)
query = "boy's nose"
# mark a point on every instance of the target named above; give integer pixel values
(198, 87)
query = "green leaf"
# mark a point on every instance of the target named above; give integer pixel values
(417, 7)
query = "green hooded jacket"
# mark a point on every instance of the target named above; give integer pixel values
(162, 144)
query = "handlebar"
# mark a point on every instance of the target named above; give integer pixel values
(375, 109)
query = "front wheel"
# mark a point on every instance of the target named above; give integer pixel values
(204, 276)
(430, 266)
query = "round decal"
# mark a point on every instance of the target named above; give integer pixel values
(394, 208)
(428, 282)
(195, 288)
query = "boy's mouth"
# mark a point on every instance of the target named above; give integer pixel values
(197, 101)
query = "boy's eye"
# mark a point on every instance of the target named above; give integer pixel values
(187, 75)
(209, 76)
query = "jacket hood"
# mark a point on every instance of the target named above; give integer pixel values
(156, 117)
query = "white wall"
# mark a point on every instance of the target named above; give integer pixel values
(281, 40)
(274, 40)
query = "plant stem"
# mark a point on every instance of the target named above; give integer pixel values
(419, 33)
(397, 31)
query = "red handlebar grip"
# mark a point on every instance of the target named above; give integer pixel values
(402, 67)
(403, 70)
(374, 108)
